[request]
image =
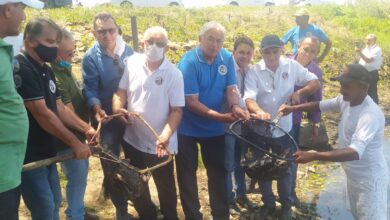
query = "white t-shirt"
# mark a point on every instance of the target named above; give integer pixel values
(361, 128)
(374, 52)
(270, 90)
(151, 95)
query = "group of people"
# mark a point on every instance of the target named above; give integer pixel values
(44, 113)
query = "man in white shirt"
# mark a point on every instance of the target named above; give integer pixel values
(152, 87)
(361, 133)
(267, 87)
(371, 59)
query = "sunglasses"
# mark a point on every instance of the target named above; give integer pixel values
(105, 31)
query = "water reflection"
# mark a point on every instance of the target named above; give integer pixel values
(331, 203)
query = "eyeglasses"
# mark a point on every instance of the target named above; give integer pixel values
(158, 44)
(108, 30)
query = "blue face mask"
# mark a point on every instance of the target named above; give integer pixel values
(64, 64)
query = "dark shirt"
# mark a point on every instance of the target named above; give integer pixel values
(37, 82)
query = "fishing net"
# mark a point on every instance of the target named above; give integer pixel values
(261, 160)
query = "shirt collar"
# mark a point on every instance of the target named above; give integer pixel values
(200, 55)
(34, 62)
(282, 62)
(164, 65)
(371, 47)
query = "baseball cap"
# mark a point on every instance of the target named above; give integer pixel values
(30, 3)
(301, 12)
(270, 41)
(353, 72)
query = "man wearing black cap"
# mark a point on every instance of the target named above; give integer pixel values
(267, 87)
(361, 133)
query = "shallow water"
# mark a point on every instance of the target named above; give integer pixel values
(331, 201)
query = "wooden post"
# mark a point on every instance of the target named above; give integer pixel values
(134, 32)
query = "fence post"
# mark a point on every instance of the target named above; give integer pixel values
(134, 32)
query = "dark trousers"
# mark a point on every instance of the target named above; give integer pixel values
(373, 89)
(165, 184)
(9, 204)
(213, 154)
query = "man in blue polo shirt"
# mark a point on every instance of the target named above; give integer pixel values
(304, 29)
(102, 70)
(209, 76)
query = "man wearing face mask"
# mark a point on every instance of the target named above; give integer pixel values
(75, 171)
(102, 69)
(154, 88)
(304, 29)
(48, 116)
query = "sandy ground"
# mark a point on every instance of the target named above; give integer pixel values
(309, 177)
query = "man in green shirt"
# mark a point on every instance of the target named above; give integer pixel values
(13, 115)
(75, 171)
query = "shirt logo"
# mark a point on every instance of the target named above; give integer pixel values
(222, 69)
(159, 80)
(52, 86)
(285, 75)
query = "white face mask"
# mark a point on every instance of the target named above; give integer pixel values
(154, 53)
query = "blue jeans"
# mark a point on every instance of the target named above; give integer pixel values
(232, 165)
(76, 172)
(42, 193)
(111, 136)
(284, 184)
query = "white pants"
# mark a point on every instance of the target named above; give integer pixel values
(368, 197)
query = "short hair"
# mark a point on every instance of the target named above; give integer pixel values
(212, 25)
(104, 16)
(371, 36)
(34, 28)
(312, 38)
(66, 35)
(155, 30)
(243, 40)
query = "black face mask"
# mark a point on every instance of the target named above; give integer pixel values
(47, 54)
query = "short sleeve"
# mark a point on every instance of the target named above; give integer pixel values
(321, 35)
(365, 131)
(63, 90)
(287, 37)
(250, 86)
(176, 90)
(231, 74)
(189, 71)
(331, 104)
(30, 88)
(303, 76)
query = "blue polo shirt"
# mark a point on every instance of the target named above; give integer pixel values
(209, 82)
(295, 34)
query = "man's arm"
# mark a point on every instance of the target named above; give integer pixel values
(256, 110)
(175, 114)
(118, 102)
(339, 155)
(308, 89)
(71, 120)
(328, 45)
(194, 105)
(233, 96)
(306, 107)
(53, 125)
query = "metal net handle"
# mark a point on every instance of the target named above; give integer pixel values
(291, 159)
(96, 138)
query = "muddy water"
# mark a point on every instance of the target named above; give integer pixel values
(331, 203)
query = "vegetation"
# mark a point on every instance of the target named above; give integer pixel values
(343, 24)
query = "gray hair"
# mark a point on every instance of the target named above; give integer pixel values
(212, 25)
(66, 34)
(155, 30)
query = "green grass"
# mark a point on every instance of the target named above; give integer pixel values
(344, 26)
